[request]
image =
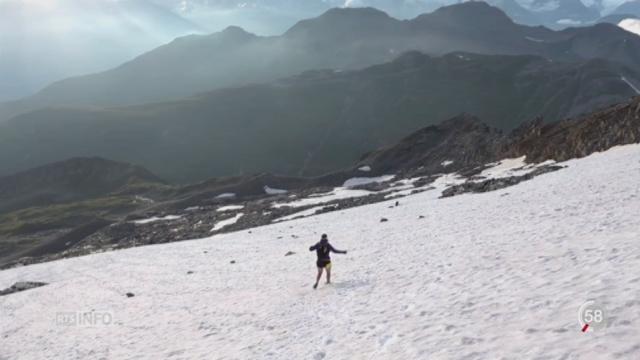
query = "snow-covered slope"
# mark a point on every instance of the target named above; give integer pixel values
(631, 25)
(476, 276)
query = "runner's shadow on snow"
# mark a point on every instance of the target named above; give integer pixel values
(351, 284)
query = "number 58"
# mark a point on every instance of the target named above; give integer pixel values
(593, 316)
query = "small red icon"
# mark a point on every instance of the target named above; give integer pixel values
(585, 327)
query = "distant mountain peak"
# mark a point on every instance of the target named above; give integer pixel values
(236, 32)
(355, 11)
(471, 8)
(339, 20)
(472, 12)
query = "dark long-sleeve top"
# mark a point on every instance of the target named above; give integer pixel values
(323, 250)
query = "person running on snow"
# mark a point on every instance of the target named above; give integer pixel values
(322, 249)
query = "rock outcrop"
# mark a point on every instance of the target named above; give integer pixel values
(578, 137)
(21, 286)
(464, 142)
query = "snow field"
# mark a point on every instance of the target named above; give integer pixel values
(479, 276)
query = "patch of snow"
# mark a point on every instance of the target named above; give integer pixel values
(230, 208)
(447, 163)
(365, 168)
(226, 196)
(519, 266)
(569, 22)
(447, 180)
(144, 199)
(336, 194)
(341, 193)
(223, 223)
(320, 195)
(359, 181)
(631, 25)
(534, 39)
(408, 181)
(631, 85)
(303, 213)
(271, 191)
(193, 208)
(154, 219)
(510, 167)
(402, 185)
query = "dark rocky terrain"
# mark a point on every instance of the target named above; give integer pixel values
(48, 208)
(578, 137)
(464, 141)
(467, 141)
(21, 286)
(73, 180)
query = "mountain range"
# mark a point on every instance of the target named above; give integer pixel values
(316, 122)
(340, 39)
(268, 17)
(46, 41)
(92, 204)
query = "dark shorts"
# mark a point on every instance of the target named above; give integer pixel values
(324, 264)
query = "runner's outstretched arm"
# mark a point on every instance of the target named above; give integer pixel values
(337, 251)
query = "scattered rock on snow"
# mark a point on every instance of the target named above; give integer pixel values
(232, 262)
(496, 184)
(289, 253)
(21, 286)
(130, 295)
(384, 220)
